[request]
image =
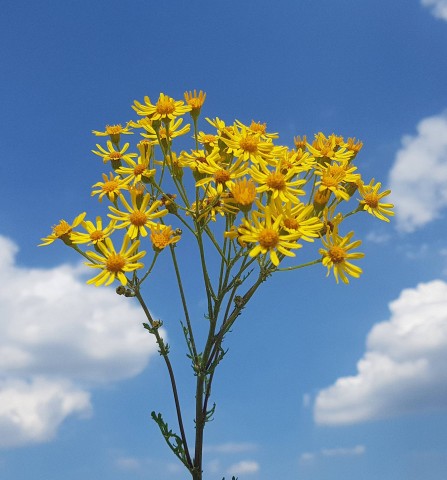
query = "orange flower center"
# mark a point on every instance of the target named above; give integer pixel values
(113, 129)
(276, 181)
(115, 263)
(258, 127)
(249, 144)
(61, 229)
(291, 223)
(372, 200)
(329, 181)
(138, 218)
(208, 138)
(161, 239)
(222, 176)
(337, 254)
(115, 155)
(110, 186)
(139, 169)
(97, 235)
(165, 106)
(244, 192)
(268, 238)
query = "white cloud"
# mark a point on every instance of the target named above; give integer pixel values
(58, 338)
(344, 452)
(231, 447)
(403, 369)
(128, 463)
(31, 411)
(243, 467)
(307, 458)
(438, 7)
(418, 179)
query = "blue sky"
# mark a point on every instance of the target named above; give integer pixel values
(322, 381)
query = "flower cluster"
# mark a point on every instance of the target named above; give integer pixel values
(270, 197)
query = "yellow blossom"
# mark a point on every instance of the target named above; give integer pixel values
(115, 156)
(371, 201)
(113, 264)
(162, 236)
(114, 132)
(110, 186)
(138, 215)
(165, 109)
(336, 256)
(63, 231)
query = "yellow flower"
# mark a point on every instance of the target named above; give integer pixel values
(95, 233)
(165, 109)
(242, 143)
(136, 172)
(195, 101)
(63, 230)
(110, 186)
(258, 128)
(139, 214)
(115, 156)
(300, 219)
(223, 175)
(353, 146)
(371, 201)
(114, 264)
(284, 186)
(114, 132)
(334, 178)
(244, 193)
(162, 236)
(337, 254)
(329, 148)
(166, 134)
(267, 235)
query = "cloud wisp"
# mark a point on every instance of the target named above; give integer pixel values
(403, 368)
(418, 178)
(437, 7)
(58, 339)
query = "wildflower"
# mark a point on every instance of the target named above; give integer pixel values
(244, 193)
(114, 132)
(371, 201)
(165, 109)
(139, 214)
(337, 254)
(284, 186)
(162, 236)
(328, 148)
(222, 175)
(114, 264)
(267, 235)
(95, 232)
(115, 156)
(63, 231)
(110, 186)
(195, 101)
(137, 172)
(299, 219)
(166, 134)
(258, 128)
(353, 146)
(247, 145)
(334, 178)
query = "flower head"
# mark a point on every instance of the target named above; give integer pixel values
(165, 109)
(195, 101)
(110, 186)
(113, 264)
(114, 132)
(162, 236)
(371, 201)
(115, 156)
(63, 231)
(138, 215)
(94, 232)
(267, 236)
(336, 256)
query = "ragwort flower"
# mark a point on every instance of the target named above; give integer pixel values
(371, 201)
(165, 109)
(267, 235)
(337, 254)
(95, 232)
(113, 264)
(139, 214)
(63, 231)
(110, 186)
(115, 156)
(114, 132)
